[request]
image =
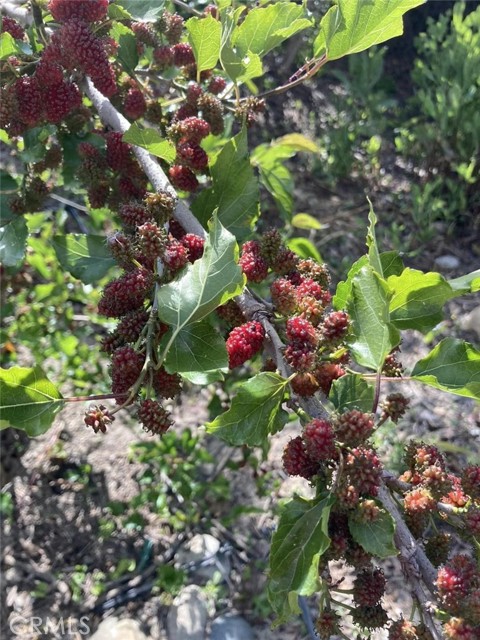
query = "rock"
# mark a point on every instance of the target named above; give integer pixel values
(231, 627)
(115, 629)
(187, 617)
(201, 556)
(471, 321)
(447, 262)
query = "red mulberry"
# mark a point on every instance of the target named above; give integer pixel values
(296, 461)
(154, 417)
(319, 440)
(244, 342)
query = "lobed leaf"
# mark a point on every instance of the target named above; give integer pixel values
(28, 400)
(255, 412)
(454, 366)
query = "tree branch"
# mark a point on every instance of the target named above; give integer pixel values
(416, 566)
(249, 305)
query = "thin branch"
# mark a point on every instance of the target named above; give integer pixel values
(416, 566)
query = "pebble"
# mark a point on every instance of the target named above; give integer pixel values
(231, 627)
(201, 556)
(471, 321)
(115, 629)
(187, 617)
(447, 262)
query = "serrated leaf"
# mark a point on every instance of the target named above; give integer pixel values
(234, 192)
(351, 391)
(355, 25)
(304, 248)
(127, 52)
(146, 10)
(198, 353)
(305, 221)
(375, 537)
(255, 413)
(28, 400)
(86, 257)
(418, 299)
(373, 253)
(266, 27)
(344, 288)
(204, 36)
(372, 334)
(469, 283)
(13, 237)
(203, 285)
(454, 366)
(152, 141)
(299, 541)
(391, 265)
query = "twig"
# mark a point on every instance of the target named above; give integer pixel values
(416, 566)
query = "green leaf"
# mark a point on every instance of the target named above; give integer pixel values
(304, 248)
(344, 288)
(86, 257)
(418, 299)
(305, 221)
(127, 51)
(13, 237)
(352, 392)
(354, 25)
(372, 334)
(28, 400)
(373, 253)
(454, 366)
(391, 265)
(198, 353)
(152, 141)
(255, 412)
(297, 545)
(146, 10)
(9, 46)
(375, 537)
(204, 35)
(8, 189)
(234, 190)
(469, 283)
(116, 12)
(274, 175)
(203, 285)
(266, 27)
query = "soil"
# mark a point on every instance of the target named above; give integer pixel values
(57, 516)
